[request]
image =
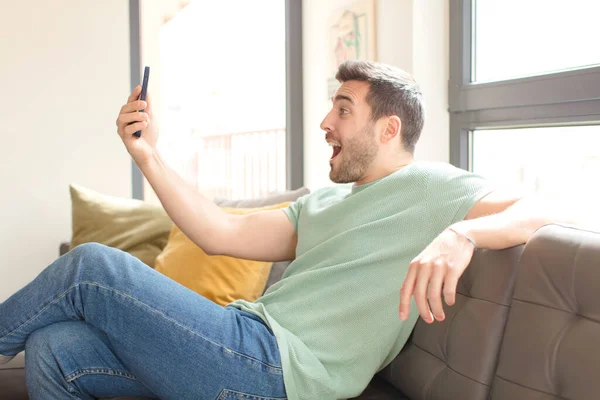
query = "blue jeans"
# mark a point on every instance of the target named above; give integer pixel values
(99, 323)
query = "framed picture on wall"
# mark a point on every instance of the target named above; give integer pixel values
(352, 36)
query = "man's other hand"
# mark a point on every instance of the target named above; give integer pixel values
(433, 272)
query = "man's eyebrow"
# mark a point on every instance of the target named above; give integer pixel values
(342, 97)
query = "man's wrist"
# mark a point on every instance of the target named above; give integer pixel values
(149, 162)
(464, 233)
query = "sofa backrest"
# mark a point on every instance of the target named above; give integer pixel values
(276, 273)
(551, 348)
(457, 358)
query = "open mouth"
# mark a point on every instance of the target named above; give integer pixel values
(336, 151)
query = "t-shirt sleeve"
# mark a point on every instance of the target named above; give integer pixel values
(452, 192)
(293, 210)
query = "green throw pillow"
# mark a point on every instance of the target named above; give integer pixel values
(139, 228)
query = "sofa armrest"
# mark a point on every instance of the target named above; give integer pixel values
(551, 344)
(63, 248)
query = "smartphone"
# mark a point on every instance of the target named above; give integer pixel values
(144, 90)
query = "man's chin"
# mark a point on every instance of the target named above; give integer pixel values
(335, 178)
(336, 174)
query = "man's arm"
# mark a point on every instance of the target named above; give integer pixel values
(437, 269)
(502, 218)
(518, 222)
(512, 227)
(261, 236)
(265, 236)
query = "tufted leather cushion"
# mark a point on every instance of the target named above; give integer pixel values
(550, 350)
(456, 358)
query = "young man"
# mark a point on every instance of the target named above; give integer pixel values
(99, 323)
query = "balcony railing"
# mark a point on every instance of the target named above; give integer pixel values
(234, 165)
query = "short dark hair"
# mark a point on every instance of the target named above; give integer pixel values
(393, 91)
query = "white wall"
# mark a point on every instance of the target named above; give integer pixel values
(412, 35)
(431, 69)
(64, 75)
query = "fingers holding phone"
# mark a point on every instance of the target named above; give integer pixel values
(131, 120)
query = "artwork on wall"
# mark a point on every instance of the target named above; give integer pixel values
(351, 37)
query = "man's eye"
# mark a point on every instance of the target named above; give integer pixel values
(343, 111)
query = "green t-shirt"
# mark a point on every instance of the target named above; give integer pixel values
(335, 311)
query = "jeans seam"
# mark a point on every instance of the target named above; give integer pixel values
(98, 371)
(44, 308)
(225, 392)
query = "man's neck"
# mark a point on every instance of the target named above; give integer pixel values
(384, 171)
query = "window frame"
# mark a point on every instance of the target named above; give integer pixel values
(294, 97)
(560, 98)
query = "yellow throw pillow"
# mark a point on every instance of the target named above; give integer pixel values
(221, 279)
(139, 228)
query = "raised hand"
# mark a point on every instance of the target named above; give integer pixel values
(130, 120)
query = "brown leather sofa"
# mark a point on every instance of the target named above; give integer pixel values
(526, 325)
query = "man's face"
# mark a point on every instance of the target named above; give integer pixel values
(349, 124)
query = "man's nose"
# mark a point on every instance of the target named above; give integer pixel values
(325, 125)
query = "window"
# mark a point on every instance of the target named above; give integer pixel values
(516, 38)
(223, 96)
(227, 83)
(525, 93)
(540, 160)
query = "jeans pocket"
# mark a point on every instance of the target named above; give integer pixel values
(233, 395)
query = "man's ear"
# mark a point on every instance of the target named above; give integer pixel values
(392, 128)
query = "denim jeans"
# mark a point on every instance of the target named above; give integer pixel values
(99, 323)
